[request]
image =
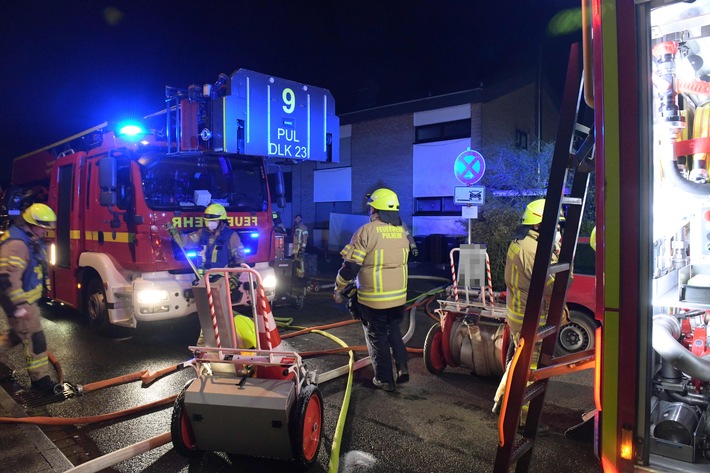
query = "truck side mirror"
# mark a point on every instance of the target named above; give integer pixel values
(107, 181)
(280, 190)
(108, 199)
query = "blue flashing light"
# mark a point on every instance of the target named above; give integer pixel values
(254, 234)
(191, 254)
(247, 251)
(130, 130)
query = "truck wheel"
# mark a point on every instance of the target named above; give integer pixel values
(97, 312)
(433, 356)
(180, 428)
(577, 335)
(306, 427)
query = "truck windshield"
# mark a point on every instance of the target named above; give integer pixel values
(182, 183)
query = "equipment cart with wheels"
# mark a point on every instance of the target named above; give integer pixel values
(471, 332)
(249, 400)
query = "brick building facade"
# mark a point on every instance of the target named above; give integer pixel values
(411, 147)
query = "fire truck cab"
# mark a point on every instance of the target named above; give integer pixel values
(118, 188)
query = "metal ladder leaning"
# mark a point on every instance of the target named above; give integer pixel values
(572, 158)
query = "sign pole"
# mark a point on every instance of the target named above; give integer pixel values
(469, 168)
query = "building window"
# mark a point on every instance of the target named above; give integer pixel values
(443, 131)
(521, 139)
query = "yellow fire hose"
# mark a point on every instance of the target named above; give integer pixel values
(337, 437)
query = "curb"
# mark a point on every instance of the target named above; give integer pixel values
(27, 443)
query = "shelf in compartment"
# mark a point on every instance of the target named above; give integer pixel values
(671, 299)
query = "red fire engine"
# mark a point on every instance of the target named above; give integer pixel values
(117, 187)
(647, 81)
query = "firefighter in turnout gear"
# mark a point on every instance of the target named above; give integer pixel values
(219, 245)
(518, 272)
(377, 256)
(300, 239)
(23, 281)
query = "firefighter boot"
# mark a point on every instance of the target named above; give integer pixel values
(402, 373)
(389, 387)
(45, 384)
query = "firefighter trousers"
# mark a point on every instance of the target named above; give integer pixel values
(28, 331)
(384, 339)
(500, 392)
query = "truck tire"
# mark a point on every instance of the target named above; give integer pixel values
(577, 335)
(97, 312)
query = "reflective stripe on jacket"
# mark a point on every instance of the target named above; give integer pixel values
(518, 273)
(381, 250)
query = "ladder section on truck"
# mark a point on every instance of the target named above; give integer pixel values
(572, 160)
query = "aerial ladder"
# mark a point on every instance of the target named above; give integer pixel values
(573, 162)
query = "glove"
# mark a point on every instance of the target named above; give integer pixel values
(20, 313)
(414, 250)
(338, 297)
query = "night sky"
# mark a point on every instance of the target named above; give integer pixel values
(70, 65)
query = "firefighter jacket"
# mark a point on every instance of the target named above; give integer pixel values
(220, 250)
(380, 251)
(518, 273)
(23, 264)
(300, 238)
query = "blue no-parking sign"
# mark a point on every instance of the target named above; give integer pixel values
(469, 167)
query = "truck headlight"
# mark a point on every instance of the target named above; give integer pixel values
(151, 296)
(269, 282)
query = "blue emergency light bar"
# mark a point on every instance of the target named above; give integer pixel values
(130, 129)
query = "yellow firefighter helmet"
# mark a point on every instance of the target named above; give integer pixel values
(215, 212)
(383, 199)
(533, 212)
(40, 215)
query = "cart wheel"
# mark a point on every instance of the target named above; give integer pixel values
(433, 357)
(180, 428)
(306, 427)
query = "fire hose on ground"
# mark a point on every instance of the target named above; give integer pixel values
(146, 378)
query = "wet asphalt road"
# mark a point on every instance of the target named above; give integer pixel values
(431, 424)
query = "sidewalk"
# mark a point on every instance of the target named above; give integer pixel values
(24, 446)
